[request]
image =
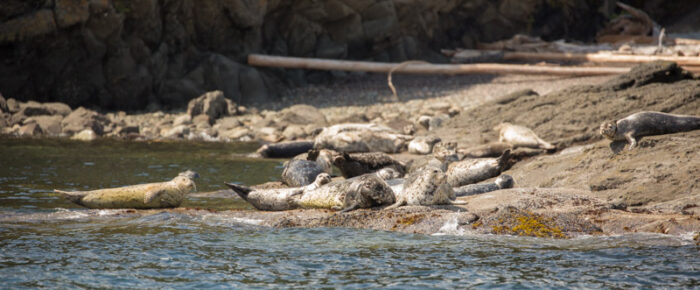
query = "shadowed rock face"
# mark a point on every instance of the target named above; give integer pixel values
(132, 54)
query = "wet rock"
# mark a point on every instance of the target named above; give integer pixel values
(83, 118)
(212, 104)
(652, 72)
(50, 125)
(85, 135)
(30, 130)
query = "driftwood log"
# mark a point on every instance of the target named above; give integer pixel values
(600, 57)
(416, 68)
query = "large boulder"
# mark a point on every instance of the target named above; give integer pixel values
(81, 119)
(301, 115)
(212, 104)
(50, 125)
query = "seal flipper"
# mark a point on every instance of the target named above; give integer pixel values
(350, 208)
(395, 205)
(152, 195)
(242, 191)
(503, 160)
(73, 196)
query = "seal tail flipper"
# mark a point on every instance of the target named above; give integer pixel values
(242, 191)
(350, 208)
(503, 159)
(73, 196)
(395, 205)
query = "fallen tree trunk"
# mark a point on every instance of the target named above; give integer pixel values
(600, 57)
(448, 69)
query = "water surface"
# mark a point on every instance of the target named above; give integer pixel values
(48, 242)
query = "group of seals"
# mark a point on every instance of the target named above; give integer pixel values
(647, 123)
(426, 186)
(143, 196)
(277, 198)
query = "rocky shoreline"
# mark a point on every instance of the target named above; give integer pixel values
(581, 187)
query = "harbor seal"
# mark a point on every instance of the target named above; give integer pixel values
(493, 149)
(143, 196)
(361, 138)
(364, 191)
(278, 198)
(502, 182)
(520, 136)
(423, 145)
(285, 149)
(647, 123)
(426, 186)
(474, 170)
(300, 172)
(356, 164)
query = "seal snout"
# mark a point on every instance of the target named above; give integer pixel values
(189, 174)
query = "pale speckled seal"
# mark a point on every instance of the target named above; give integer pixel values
(502, 182)
(278, 198)
(143, 196)
(470, 171)
(520, 136)
(300, 172)
(422, 145)
(426, 186)
(361, 138)
(364, 191)
(647, 123)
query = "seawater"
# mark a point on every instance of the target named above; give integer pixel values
(48, 242)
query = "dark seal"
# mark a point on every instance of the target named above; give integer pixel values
(647, 124)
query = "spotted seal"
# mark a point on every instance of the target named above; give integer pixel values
(426, 186)
(300, 172)
(143, 196)
(361, 138)
(278, 198)
(502, 182)
(647, 123)
(520, 136)
(364, 191)
(423, 145)
(470, 171)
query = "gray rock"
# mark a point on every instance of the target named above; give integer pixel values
(71, 12)
(177, 132)
(3, 104)
(50, 125)
(293, 132)
(81, 119)
(30, 130)
(212, 104)
(235, 133)
(184, 119)
(301, 115)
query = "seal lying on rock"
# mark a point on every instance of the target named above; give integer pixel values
(502, 182)
(356, 164)
(285, 149)
(277, 198)
(300, 172)
(361, 138)
(143, 196)
(474, 170)
(426, 186)
(364, 191)
(520, 136)
(493, 149)
(647, 123)
(422, 145)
